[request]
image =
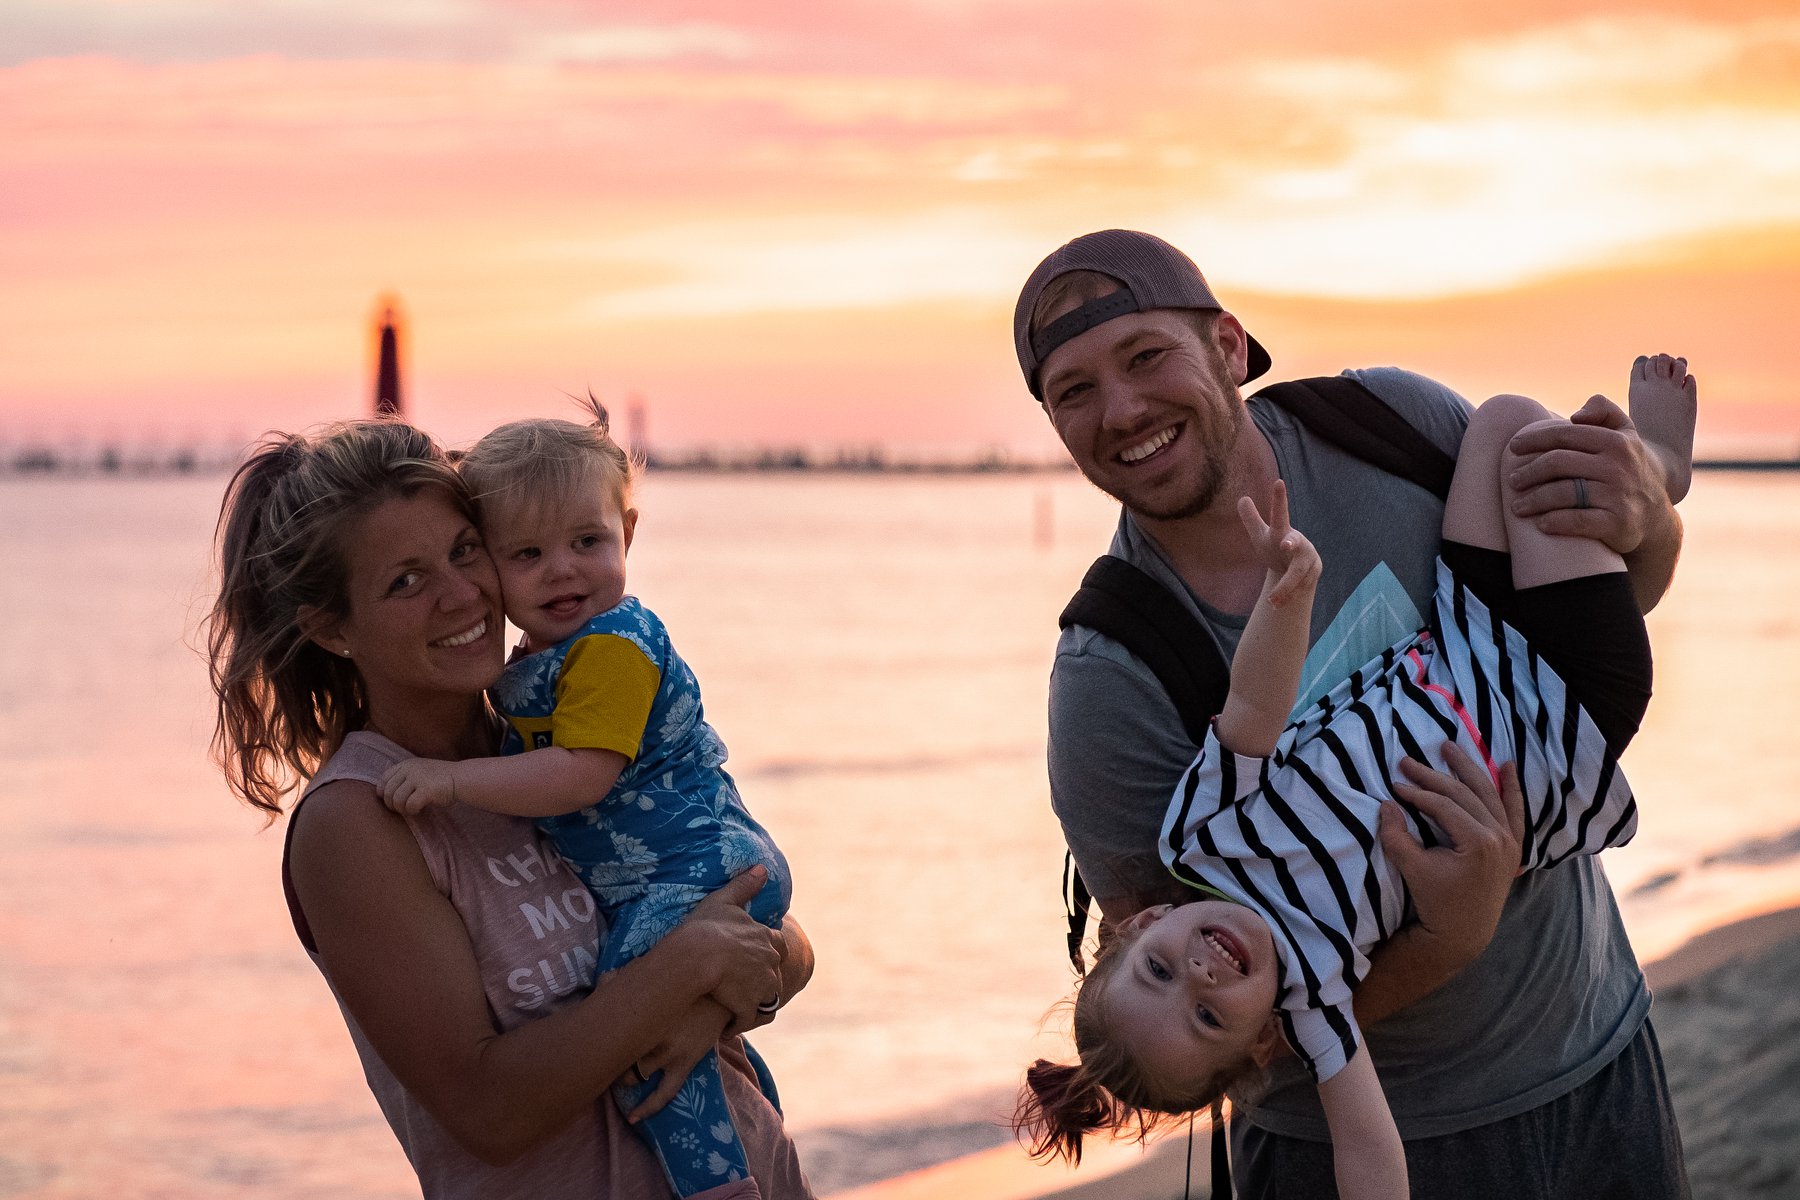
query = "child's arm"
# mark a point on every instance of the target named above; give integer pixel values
(1265, 672)
(1366, 1152)
(538, 783)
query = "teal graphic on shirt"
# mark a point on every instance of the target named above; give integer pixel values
(1376, 615)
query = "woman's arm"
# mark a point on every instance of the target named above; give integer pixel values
(398, 955)
(1265, 669)
(1366, 1152)
(703, 1026)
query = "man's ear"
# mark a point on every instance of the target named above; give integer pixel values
(323, 629)
(629, 520)
(1233, 344)
(1268, 1042)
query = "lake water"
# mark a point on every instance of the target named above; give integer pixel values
(873, 650)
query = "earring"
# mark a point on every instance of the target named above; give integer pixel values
(346, 653)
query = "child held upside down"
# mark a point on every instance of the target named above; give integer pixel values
(606, 745)
(1535, 656)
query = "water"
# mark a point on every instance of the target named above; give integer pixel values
(873, 650)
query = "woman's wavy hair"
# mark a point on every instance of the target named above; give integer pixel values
(533, 464)
(1107, 1090)
(285, 703)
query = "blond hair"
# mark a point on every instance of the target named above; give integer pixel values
(284, 703)
(533, 464)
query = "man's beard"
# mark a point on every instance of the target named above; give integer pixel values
(1203, 488)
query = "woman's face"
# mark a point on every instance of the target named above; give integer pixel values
(424, 608)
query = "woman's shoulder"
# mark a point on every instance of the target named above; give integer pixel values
(363, 757)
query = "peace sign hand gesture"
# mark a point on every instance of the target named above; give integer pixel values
(1290, 559)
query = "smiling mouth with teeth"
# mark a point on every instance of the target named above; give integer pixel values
(1219, 944)
(1149, 446)
(463, 638)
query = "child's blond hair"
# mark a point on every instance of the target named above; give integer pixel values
(535, 463)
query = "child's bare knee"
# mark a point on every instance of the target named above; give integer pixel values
(1507, 414)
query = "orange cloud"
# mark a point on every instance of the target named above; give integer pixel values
(798, 222)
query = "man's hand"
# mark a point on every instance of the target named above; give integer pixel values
(417, 784)
(1621, 498)
(1459, 886)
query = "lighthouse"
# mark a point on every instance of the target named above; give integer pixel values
(387, 370)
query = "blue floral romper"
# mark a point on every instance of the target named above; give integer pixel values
(671, 830)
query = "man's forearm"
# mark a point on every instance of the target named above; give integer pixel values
(1404, 970)
(1652, 565)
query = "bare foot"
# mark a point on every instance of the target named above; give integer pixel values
(1663, 402)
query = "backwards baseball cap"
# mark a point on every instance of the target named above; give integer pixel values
(1152, 274)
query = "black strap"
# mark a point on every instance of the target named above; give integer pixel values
(1339, 410)
(1128, 606)
(1221, 1157)
(1075, 907)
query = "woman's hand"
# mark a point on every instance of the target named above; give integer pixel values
(689, 1040)
(1459, 886)
(684, 1045)
(743, 954)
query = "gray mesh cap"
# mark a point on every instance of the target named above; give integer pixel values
(1153, 273)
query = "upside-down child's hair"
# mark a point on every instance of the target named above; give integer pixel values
(535, 463)
(1107, 1090)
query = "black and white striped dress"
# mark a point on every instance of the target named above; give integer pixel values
(1293, 835)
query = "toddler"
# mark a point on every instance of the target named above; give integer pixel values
(606, 743)
(1535, 656)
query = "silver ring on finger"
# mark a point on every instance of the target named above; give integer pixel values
(769, 1006)
(1581, 496)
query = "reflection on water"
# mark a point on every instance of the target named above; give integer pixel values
(873, 650)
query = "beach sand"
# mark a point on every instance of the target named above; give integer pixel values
(1727, 1014)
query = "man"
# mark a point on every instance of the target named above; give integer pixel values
(1525, 1069)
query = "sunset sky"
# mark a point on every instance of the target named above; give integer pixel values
(806, 222)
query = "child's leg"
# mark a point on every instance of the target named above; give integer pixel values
(1479, 513)
(1574, 602)
(692, 1135)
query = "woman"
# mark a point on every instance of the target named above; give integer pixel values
(358, 623)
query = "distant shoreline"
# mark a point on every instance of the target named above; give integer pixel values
(760, 463)
(1747, 464)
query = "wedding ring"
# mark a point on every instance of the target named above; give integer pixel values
(1581, 500)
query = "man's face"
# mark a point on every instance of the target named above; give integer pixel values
(1149, 408)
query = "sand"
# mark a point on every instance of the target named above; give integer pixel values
(1726, 1011)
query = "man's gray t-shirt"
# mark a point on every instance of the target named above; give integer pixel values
(1558, 992)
